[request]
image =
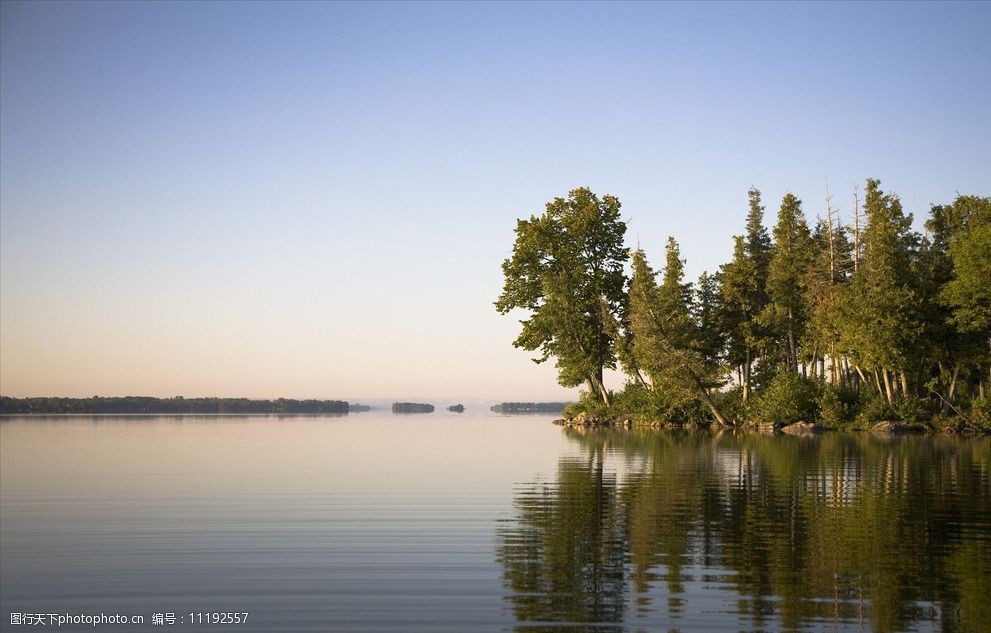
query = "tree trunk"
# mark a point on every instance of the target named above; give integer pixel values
(596, 388)
(951, 390)
(904, 384)
(747, 364)
(877, 382)
(792, 355)
(707, 399)
(600, 389)
(887, 384)
(640, 379)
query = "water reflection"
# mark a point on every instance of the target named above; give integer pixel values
(692, 531)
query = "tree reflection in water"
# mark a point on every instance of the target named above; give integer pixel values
(649, 530)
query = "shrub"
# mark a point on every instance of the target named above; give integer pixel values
(733, 408)
(589, 405)
(909, 409)
(873, 409)
(832, 411)
(648, 406)
(788, 398)
(980, 412)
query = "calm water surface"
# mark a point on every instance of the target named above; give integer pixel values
(440, 522)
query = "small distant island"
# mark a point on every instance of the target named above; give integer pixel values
(528, 407)
(412, 407)
(457, 408)
(358, 408)
(178, 404)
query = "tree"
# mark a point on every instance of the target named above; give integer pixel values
(706, 312)
(743, 284)
(961, 246)
(566, 270)
(831, 266)
(968, 292)
(881, 307)
(666, 342)
(791, 257)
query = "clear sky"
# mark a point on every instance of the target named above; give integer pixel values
(313, 200)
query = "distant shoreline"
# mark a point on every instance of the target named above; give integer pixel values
(147, 405)
(179, 405)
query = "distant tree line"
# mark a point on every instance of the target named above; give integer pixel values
(412, 407)
(142, 404)
(838, 322)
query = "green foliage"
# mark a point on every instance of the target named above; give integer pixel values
(788, 398)
(910, 409)
(791, 258)
(880, 308)
(743, 292)
(666, 341)
(735, 409)
(832, 412)
(567, 271)
(876, 324)
(706, 311)
(980, 413)
(873, 409)
(591, 405)
(968, 293)
(650, 406)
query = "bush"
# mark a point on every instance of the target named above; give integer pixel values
(980, 413)
(649, 406)
(832, 411)
(909, 409)
(589, 405)
(732, 406)
(788, 398)
(874, 409)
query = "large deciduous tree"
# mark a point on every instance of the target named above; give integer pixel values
(567, 271)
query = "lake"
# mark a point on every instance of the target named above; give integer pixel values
(480, 522)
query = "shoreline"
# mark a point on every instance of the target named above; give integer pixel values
(884, 427)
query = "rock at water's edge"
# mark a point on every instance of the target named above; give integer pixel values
(803, 428)
(896, 427)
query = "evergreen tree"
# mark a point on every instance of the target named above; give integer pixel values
(961, 235)
(830, 270)
(791, 258)
(665, 337)
(881, 307)
(743, 286)
(706, 312)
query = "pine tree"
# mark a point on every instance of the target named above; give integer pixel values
(881, 307)
(962, 243)
(791, 258)
(743, 290)
(830, 270)
(665, 339)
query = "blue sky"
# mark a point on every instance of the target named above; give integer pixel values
(312, 200)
